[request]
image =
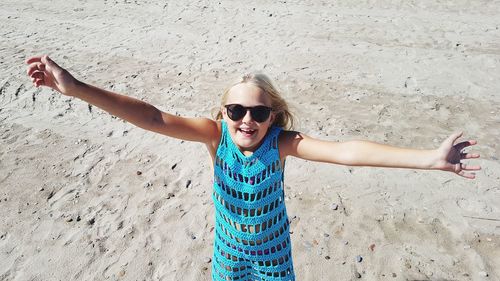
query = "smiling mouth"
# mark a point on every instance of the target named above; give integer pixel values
(247, 133)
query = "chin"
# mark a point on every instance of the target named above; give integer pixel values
(245, 143)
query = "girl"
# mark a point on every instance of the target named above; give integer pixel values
(249, 142)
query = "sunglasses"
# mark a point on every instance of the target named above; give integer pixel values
(259, 113)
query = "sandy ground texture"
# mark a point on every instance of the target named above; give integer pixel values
(85, 196)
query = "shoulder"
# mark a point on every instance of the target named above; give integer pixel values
(214, 142)
(297, 144)
(217, 128)
(287, 140)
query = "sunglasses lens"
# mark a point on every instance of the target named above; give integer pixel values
(260, 113)
(235, 111)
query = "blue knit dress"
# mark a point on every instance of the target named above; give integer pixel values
(252, 238)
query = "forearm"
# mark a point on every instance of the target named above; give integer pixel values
(366, 153)
(135, 111)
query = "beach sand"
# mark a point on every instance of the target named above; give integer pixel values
(86, 196)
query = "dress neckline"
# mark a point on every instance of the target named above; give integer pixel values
(238, 151)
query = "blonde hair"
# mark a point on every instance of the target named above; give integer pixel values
(284, 117)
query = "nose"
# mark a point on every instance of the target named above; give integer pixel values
(247, 117)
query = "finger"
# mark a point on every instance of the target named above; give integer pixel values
(467, 175)
(469, 155)
(49, 62)
(33, 79)
(470, 167)
(37, 75)
(35, 67)
(452, 138)
(34, 59)
(470, 175)
(36, 72)
(465, 144)
(39, 82)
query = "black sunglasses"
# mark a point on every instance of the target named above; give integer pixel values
(259, 113)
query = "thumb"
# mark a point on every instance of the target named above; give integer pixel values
(452, 138)
(49, 62)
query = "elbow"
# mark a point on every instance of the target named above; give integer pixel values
(156, 116)
(152, 118)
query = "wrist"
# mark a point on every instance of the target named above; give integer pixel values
(73, 88)
(433, 162)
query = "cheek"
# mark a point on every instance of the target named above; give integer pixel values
(263, 132)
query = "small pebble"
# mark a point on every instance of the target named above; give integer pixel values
(346, 242)
(335, 206)
(326, 234)
(207, 260)
(359, 258)
(170, 195)
(357, 274)
(372, 247)
(193, 237)
(188, 183)
(139, 173)
(483, 274)
(148, 184)
(327, 257)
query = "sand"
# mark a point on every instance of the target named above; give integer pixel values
(86, 196)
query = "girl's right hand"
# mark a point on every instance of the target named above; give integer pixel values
(45, 72)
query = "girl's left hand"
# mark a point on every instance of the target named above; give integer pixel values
(450, 156)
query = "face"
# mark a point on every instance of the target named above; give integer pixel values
(246, 133)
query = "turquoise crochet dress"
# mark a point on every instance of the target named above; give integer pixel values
(252, 238)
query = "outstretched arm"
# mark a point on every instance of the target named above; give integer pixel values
(45, 72)
(448, 157)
